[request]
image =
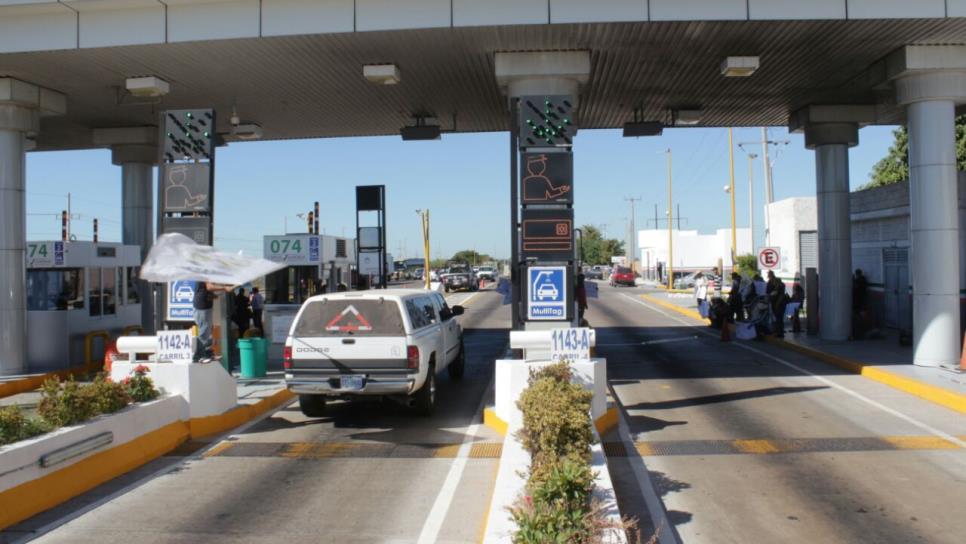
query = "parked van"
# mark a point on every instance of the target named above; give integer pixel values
(382, 342)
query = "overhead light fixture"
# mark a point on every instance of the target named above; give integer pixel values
(247, 131)
(147, 87)
(382, 74)
(639, 127)
(739, 66)
(421, 130)
(643, 128)
(686, 118)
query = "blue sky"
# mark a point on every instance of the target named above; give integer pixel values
(462, 179)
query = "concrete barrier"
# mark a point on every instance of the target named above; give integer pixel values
(207, 388)
(512, 376)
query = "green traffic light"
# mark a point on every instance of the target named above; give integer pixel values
(189, 115)
(206, 134)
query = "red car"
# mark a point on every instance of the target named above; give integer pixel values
(622, 276)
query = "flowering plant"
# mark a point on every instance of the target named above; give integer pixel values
(140, 385)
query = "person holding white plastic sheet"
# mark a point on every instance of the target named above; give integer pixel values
(205, 294)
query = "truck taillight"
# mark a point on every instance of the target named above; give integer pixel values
(287, 357)
(412, 357)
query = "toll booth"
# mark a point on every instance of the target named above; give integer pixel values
(77, 288)
(317, 263)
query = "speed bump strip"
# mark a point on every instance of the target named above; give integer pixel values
(667, 448)
(344, 450)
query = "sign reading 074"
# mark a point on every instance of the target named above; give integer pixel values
(293, 249)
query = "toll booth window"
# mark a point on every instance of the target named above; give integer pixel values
(109, 277)
(350, 317)
(94, 292)
(132, 272)
(293, 285)
(59, 289)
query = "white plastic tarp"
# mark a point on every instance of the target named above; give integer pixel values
(177, 257)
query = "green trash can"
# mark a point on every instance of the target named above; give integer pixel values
(261, 357)
(248, 354)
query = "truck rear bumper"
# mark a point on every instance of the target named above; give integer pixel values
(371, 386)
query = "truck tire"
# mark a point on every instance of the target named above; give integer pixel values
(312, 405)
(458, 366)
(425, 398)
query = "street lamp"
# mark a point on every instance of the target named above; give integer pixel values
(670, 232)
(751, 198)
(731, 168)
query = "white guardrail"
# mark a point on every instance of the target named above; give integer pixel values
(133, 345)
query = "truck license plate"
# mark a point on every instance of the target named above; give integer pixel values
(351, 382)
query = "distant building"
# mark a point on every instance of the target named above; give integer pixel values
(794, 231)
(692, 250)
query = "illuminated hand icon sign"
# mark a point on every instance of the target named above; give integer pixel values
(537, 186)
(177, 194)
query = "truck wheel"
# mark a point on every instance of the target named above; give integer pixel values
(458, 366)
(446, 288)
(425, 398)
(312, 405)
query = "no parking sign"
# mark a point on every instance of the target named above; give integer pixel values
(769, 258)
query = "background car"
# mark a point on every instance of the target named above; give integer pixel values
(622, 276)
(593, 273)
(487, 273)
(685, 282)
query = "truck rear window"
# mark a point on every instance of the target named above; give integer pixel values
(350, 317)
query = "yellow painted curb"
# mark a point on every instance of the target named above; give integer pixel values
(207, 426)
(31, 498)
(938, 395)
(15, 387)
(493, 421)
(607, 421)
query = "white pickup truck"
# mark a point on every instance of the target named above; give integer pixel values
(388, 342)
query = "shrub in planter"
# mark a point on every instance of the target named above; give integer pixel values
(68, 403)
(558, 508)
(140, 386)
(556, 419)
(15, 426)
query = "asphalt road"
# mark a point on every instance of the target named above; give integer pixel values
(370, 471)
(764, 445)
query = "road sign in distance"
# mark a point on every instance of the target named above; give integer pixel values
(547, 121)
(547, 178)
(769, 258)
(548, 234)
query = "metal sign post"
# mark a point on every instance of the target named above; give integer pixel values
(371, 240)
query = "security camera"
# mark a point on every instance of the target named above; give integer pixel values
(248, 131)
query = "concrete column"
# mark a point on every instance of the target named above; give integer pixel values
(831, 142)
(931, 98)
(13, 240)
(137, 205)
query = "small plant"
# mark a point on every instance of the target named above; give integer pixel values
(559, 372)
(747, 265)
(15, 426)
(140, 386)
(556, 421)
(107, 396)
(64, 403)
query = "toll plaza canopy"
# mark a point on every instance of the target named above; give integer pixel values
(294, 67)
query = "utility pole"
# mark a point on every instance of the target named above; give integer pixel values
(424, 218)
(630, 252)
(751, 199)
(731, 169)
(670, 226)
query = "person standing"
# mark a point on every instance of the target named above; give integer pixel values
(700, 290)
(257, 302)
(242, 314)
(798, 296)
(580, 294)
(779, 300)
(735, 298)
(203, 303)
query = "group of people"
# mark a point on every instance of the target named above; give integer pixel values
(247, 310)
(763, 303)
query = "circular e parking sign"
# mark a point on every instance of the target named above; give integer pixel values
(769, 258)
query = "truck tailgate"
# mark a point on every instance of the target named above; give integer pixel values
(349, 355)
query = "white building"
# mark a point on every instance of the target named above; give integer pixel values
(691, 250)
(794, 231)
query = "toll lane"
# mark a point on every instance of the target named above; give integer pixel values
(369, 471)
(747, 442)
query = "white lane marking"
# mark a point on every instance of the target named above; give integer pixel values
(56, 524)
(665, 532)
(437, 514)
(908, 419)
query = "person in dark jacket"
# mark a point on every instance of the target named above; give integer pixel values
(778, 298)
(734, 298)
(242, 314)
(203, 303)
(580, 294)
(798, 296)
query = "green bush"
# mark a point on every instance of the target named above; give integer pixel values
(140, 386)
(556, 420)
(747, 265)
(559, 372)
(15, 426)
(68, 403)
(558, 509)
